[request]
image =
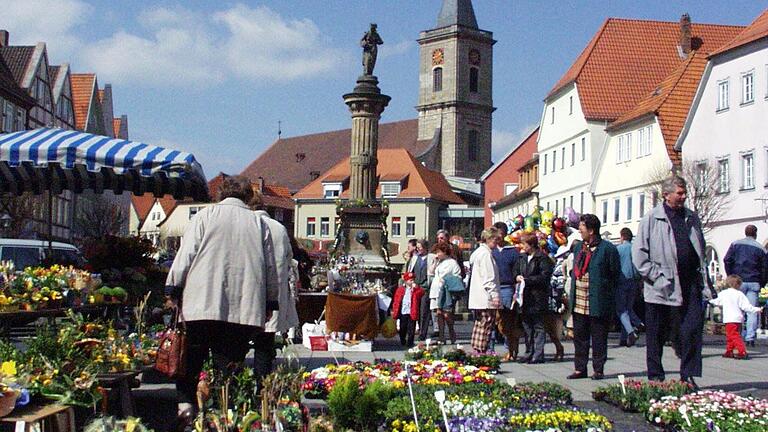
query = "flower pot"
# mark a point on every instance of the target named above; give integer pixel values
(7, 402)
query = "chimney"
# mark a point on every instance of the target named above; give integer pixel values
(685, 35)
(261, 184)
(4, 38)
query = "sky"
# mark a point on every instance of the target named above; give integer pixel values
(216, 78)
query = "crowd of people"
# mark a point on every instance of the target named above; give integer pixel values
(589, 284)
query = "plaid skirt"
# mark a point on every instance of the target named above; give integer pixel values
(481, 332)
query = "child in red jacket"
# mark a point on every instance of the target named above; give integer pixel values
(405, 306)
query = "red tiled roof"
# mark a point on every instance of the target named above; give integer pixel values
(291, 162)
(82, 93)
(272, 195)
(421, 182)
(169, 203)
(142, 204)
(276, 191)
(17, 58)
(277, 201)
(627, 59)
(10, 89)
(757, 30)
(116, 126)
(670, 101)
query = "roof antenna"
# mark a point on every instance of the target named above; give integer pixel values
(279, 129)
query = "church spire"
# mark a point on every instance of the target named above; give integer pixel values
(457, 12)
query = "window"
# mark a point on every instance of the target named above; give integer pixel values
(509, 188)
(723, 176)
(624, 148)
(562, 158)
(547, 205)
(437, 80)
(605, 211)
(641, 204)
(553, 115)
(748, 171)
(570, 202)
(557, 206)
(573, 153)
(655, 198)
(616, 209)
(546, 162)
(583, 148)
(410, 226)
(390, 189)
(474, 77)
(581, 203)
(472, 145)
(644, 141)
(325, 227)
(331, 190)
(193, 211)
(554, 160)
(629, 208)
(395, 226)
(310, 227)
(570, 105)
(8, 117)
(748, 88)
(722, 95)
(563, 204)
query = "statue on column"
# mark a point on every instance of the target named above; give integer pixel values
(370, 43)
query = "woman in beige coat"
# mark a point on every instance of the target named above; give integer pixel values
(219, 279)
(484, 295)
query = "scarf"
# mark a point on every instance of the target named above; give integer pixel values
(581, 263)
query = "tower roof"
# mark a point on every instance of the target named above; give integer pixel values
(457, 12)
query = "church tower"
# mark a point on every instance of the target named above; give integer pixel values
(456, 91)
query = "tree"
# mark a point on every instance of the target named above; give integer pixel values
(99, 217)
(21, 209)
(704, 191)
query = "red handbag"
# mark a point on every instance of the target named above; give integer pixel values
(172, 352)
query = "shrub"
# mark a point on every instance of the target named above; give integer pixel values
(342, 400)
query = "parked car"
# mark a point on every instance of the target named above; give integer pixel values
(31, 253)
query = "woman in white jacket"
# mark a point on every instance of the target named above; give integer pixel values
(484, 294)
(445, 265)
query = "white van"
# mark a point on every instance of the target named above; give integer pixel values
(31, 253)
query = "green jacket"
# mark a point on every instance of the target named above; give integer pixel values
(604, 269)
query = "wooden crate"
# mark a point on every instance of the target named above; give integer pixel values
(46, 418)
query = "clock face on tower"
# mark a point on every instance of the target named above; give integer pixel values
(438, 57)
(474, 57)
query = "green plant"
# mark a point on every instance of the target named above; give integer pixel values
(342, 399)
(639, 393)
(371, 406)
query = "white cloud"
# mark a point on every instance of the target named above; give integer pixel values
(263, 45)
(50, 21)
(397, 49)
(504, 141)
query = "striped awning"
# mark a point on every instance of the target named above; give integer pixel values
(57, 159)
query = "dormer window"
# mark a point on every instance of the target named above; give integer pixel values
(331, 190)
(390, 189)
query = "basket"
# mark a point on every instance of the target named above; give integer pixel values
(318, 343)
(7, 402)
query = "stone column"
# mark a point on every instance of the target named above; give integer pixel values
(366, 103)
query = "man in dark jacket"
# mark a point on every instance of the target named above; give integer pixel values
(505, 256)
(747, 259)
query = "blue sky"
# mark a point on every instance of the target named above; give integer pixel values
(214, 78)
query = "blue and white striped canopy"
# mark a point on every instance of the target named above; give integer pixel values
(57, 159)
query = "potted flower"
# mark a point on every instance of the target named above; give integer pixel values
(8, 303)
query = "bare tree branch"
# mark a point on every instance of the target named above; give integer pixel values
(704, 196)
(99, 217)
(22, 210)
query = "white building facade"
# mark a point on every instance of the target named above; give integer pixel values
(727, 127)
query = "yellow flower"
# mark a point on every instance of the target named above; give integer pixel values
(8, 368)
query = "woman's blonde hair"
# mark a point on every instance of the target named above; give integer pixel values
(489, 233)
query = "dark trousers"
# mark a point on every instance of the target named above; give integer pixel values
(425, 316)
(263, 354)
(407, 329)
(535, 336)
(588, 329)
(227, 343)
(687, 322)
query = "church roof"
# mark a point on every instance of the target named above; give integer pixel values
(457, 12)
(394, 165)
(627, 59)
(295, 162)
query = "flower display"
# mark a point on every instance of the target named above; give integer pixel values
(708, 410)
(40, 287)
(429, 372)
(639, 393)
(763, 296)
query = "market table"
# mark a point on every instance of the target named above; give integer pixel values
(48, 418)
(349, 313)
(19, 318)
(121, 383)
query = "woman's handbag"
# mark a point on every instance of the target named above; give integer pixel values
(171, 354)
(453, 284)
